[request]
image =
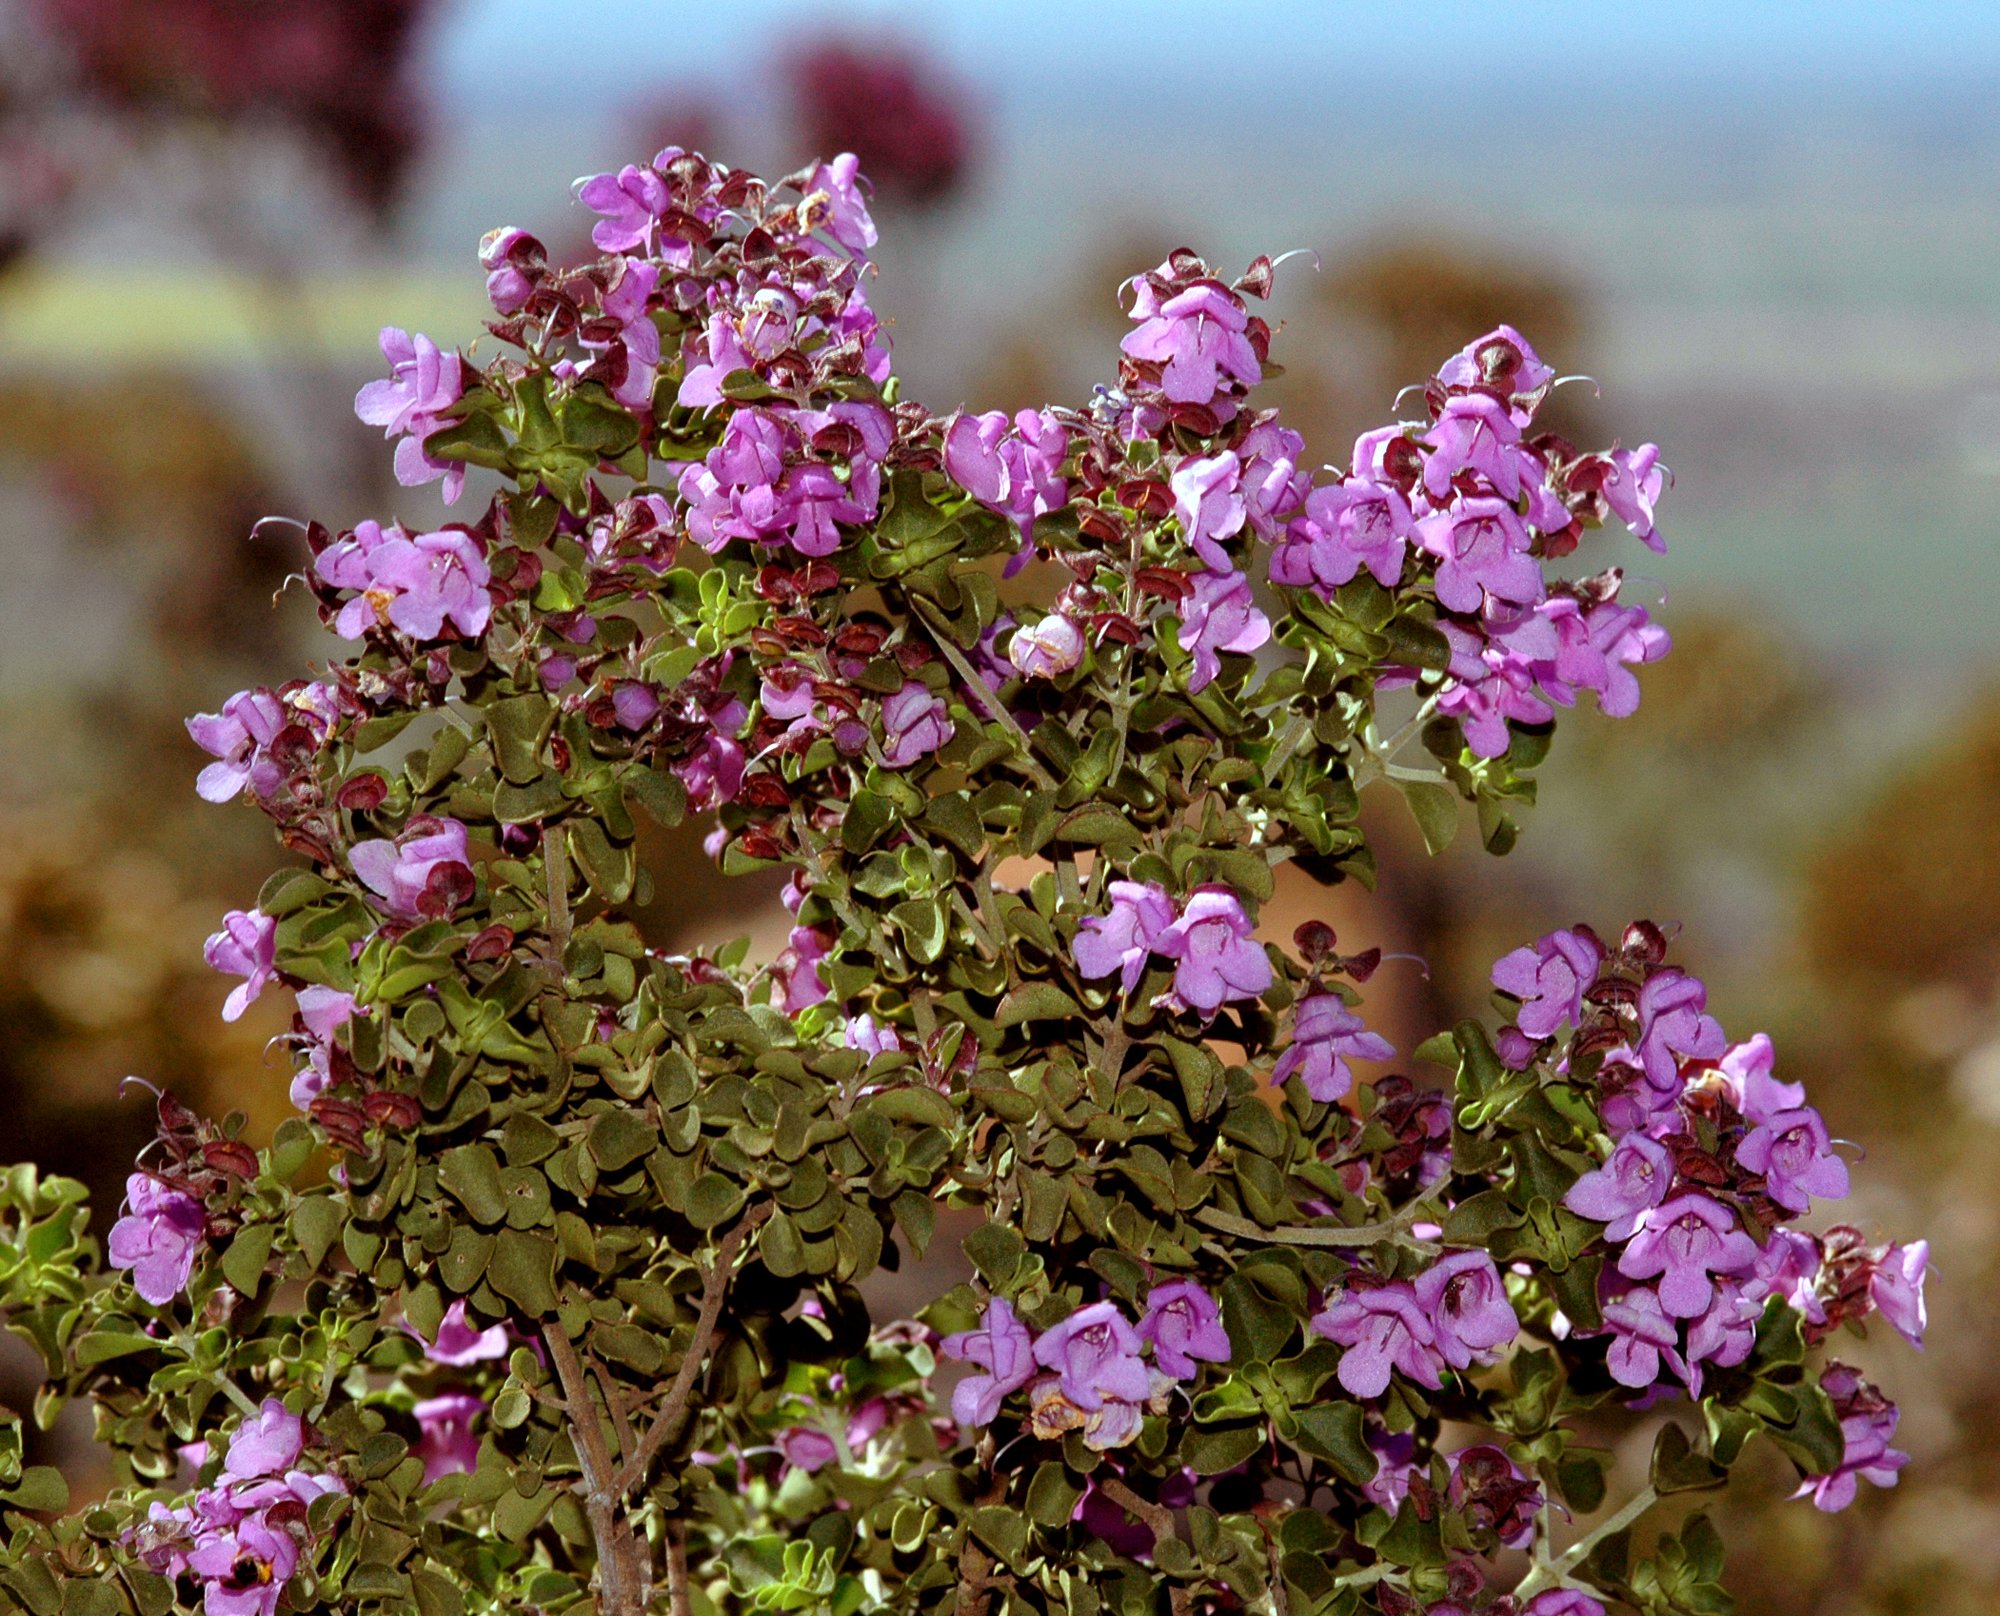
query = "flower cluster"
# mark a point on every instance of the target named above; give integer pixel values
(1207, 936)
(1453, 1315)
(242, 1537)
(1092, 1375)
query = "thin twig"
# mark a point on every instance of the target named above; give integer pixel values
(1363, 1234)
(679, 1601)
(1158, 1518)
(666, 1424)
(1557, 1570)
(623, 1580)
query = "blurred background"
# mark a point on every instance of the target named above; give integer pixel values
(1773, 232)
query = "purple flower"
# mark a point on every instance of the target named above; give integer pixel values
(1563, 1602)
(1183, 1323)
(1749, 1069)
(1632, 1181)
(423, 383)
(1495, 672)
(804, 1448)
(863, 1033)
(1013, 467)
(1326, 1034)
(267, 1443)
(1383, 1329)
(1273, 486)
(458, 1344)
(1217, 959)
(246, 947)
(632, 201)
(1482, 550)
(324, 1011)
(1673, 1026)
(1795, 1156)
(158, 1238)
(1221, 615)
(244, 1566)
(1896, 1287)
(1867, 1422)
(1046, 649)
(1467, 1305)
(1789, 1267)
(1643, 1334)
(914, 725)
(1632, 488)
(515, 263)
(714, 774)
(1550, 979)
(423, 874)
(1723, 1335)
(1198, 338)
(1208, 504)
(1003, 1348)
(1346, 526)
(796, 971)
(1686, 1241)
(1121, 940)
(1503, 361)
(240, 739)
(1474, 433)
(415, 585)
(834, 203)
(446, 1441)
(1095, 1352)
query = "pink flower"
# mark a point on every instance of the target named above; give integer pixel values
(1896, 1287)
(1121, 940)
(158, 1238)
(1198, 339)
(424, 874)
(1219, 616)
(1383, 1329)
(246, 947)
(1217, 959)
(423, 383)
(1326, 1034)
(458, 1344)
(1550, 979)
(835, 204)
(914, 725)
(446, 1442)
(1003, 1349)
(1208, 504)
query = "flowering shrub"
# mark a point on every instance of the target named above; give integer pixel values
(554, 1292)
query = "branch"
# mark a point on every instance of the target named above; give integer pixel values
(667, 1422)
(1550, 1572)
(624, 1583)
(1360, 1234)
(1158, 1518)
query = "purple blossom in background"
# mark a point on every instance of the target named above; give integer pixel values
(424, 874)
(1326, 1034)
(1184, 1324)
(1867, 1422)
(1467, 1306)
(834, 203)
(1216, 957)
(1095, 1352)
(1795, 1157)
(1550, 979)
(804, 1448)
(1003, 1349)
(1208, 504)
(1221, 615)
(1383, 1329)
(422, 385)
(1197, 337)
(914, 725)
(458, 1344)
(1686, 1241)
(1121, 940)
(446, 1441)
(1896, 1287)
(158, 1238)
(1046, 649)
(1632, 1181)
(1643, 1334)
(714, 774)
(266, 1443)
(246, 946)
(1482, 550)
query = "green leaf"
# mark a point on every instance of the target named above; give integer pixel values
(243, 1263)
(1210, 1450)
(1052, 1495)
(101, 1346)
(996, 1251)
(1003, 1530)
(472, 1174)
(1435, 809)
(523, 1269)
(1333, 1432)
(711, 1200)
(316, 1223)
(1679, 1468)
(41, 1491)
(1035, 1001)
(619, 1138)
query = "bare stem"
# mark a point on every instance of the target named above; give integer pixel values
(623, 1579)
(1550, 1572)
(1361, 1234)
(1158, 1518)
